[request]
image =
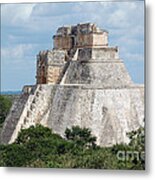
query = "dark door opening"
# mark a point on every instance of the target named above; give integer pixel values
(73, 41)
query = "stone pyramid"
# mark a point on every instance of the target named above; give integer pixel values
(81, 82)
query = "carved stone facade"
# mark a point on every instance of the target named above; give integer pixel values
(50, 65)
(80, 36)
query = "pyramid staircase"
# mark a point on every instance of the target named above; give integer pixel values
(26, 111)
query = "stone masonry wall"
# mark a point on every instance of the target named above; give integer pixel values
(109, 113)
(80, 36)
(50, 65)
(98, 54)
(97, 74)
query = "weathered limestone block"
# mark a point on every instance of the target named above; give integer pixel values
(56, 57)
(100, 40)
(62, 42)
(53, 74)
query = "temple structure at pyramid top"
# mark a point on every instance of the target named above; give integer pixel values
(80, 36)
(81, 55)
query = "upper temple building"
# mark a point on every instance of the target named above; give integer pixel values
(72, 43)
(80, 36)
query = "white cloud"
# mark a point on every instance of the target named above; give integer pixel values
(16, 14)
(17, 54)
(118, 19)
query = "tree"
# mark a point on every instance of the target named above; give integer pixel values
(137, 142)
(5, 104)
(132, 155)
(80, 136)
(33, 133)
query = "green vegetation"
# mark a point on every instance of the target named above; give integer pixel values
(40, 147)
(5, 104)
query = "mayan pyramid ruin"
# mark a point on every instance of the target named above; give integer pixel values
(81, 81)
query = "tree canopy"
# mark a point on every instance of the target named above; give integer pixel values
(40, 147)
(5, 104)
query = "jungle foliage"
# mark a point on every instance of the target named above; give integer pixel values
(39, 147)
(5, 104)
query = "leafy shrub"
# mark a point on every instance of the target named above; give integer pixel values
(80, 136)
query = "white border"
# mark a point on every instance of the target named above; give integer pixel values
(40, 174)
(33, 1)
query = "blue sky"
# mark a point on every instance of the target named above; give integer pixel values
(28, 28)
